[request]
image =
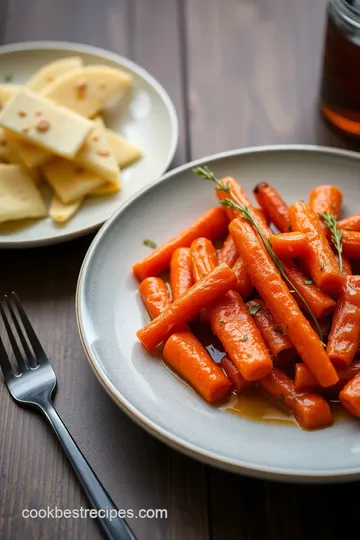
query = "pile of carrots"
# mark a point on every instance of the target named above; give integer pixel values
(260, 313)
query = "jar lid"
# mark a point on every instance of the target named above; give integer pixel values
(349, 10)
(354, 4)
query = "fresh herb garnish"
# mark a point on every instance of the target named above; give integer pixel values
(336, 234)
(244, 338)
(308, 281)
(233, 202)
(254, 309)
(222, 322)
(8, 77)
(349, 229)
(278, 329)
(281, 399)
(149, 243)
(322, 266)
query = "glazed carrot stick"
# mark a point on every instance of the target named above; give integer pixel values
(277, 342)
(351, 223)
(228, 253)
(233, 325)
(312, 411)
(155, 295)
(181, 278)
(211, 224)
(239, 194)
(200, 295)
(289, 245)
(326, 198)
(203, 257)
(344, 338)
(320, 259)
(238, 382)
(351, 244)
(279, 387)
(320, 303)
(304, 379)
(203, 260)
(244, 284)
(350, 396)
(346, 265)
(306, 382)
(156, 298)
(237, 191)
(280, 302)
(187, 356)
(273, 206)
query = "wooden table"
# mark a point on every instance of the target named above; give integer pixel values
(240, 73)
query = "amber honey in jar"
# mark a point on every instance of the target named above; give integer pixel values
(340, 91)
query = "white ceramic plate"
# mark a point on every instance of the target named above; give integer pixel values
(110, 312)
(149, 121)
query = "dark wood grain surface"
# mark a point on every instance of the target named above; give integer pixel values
(240, 73)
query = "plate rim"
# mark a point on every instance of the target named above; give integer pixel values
(82, 48)
(172, 440)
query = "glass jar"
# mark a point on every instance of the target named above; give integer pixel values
(340, 91)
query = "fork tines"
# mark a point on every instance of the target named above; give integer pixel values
(24, 332)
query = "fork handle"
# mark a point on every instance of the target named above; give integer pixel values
(114, 529)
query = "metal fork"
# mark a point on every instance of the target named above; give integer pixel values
(34, 386)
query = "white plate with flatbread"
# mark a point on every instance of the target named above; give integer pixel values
(146, 117)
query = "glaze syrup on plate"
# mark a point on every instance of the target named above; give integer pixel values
(251, 403)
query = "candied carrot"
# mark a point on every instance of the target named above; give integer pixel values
(279, 387)
(203, 260)
(280, 302)
(289, 245)
(240, 196)
(346, 265)
(320, 259)
(238, 382)
(187, 356)
(155, 295)
(326, 198)
(277, 342)
(351, 244)
(304, 379)
(244, 284)
(233, 325)
(306, 382)
(181, 278)
(320, 303)
(228, 253)
(350, 396)
(273, 206)
(351, 223)
(237, 191)
(212, 224)
(203, 257)
(311, 411)
(344, 337)
(182, 310)
(347, 268)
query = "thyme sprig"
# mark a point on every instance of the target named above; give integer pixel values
(246, 213)
(336, 234)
